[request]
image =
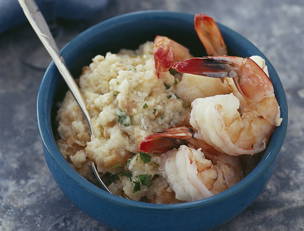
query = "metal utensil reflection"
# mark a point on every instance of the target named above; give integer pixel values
(41, 28)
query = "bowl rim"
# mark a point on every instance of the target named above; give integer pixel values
(51, 146)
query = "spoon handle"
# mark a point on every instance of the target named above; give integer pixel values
(41, 28)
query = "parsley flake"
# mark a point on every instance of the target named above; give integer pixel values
(128, 161)
(167, 86)
(115, 93)
(145, 106)
(109, 178)
(144, 199)
(123, 118)
(145, 179)
(175, 81)
(126, 173)
(145, 157)
(136, 186)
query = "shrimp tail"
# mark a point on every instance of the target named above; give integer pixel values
(164, 141)
(166, 52)
(206, 66)
(210, 35)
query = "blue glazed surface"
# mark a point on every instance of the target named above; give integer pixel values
(128, 31)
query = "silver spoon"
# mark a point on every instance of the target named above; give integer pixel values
(41, 28)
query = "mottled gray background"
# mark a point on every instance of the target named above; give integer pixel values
(29, 197)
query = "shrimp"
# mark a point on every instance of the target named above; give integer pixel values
(193, 86)
(237, 123)
(166, 52)
(221, 173)
(210, 35)
(192, 177)
(240, 122)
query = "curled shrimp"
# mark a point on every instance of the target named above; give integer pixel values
(245, 126)
(192, 177)
(238, 123)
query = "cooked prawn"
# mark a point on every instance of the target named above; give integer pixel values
(245, 126)
(193, 86)
(238, 123)
(167, 51)
(192, 177)
(173, 137)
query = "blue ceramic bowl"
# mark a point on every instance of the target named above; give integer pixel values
(129, 31)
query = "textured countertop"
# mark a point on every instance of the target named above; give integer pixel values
(30, 198)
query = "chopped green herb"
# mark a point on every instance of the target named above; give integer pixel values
(115, 93)
(167, 86)
(169, 96)
(126, 173)
(145, 106)
(123, 118)
(128, 161)
(175, 81)
(145, 157)
(136, 186)
(145, 179)
(109, 178)
(144, 199)
(154, 111)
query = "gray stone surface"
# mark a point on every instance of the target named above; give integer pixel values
(29, 197)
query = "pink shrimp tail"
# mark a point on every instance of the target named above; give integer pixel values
(210, 35)
(166, 51)
(164, 141)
